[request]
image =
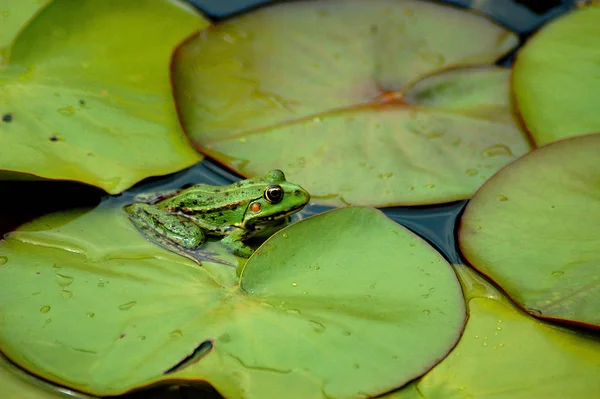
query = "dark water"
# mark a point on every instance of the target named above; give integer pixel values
(23, 201)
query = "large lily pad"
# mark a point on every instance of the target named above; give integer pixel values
(507, 354)
(16, 384)
(344, 110)
(533, 228)
(13, 16)
(557, 77)
(340, 304)
(86, 94)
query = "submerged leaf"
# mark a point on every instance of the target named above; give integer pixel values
(344, 110)
(557, 77)
(533, 228)
(86, 94)
(337, 305)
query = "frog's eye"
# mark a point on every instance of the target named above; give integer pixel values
(273, 194)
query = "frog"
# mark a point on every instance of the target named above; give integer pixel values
(180, 221)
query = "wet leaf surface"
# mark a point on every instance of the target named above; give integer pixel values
(103, 311)
(506, 354)
(78, 102)
(345, 110)
(479, 371)
(16, 384)
(13, 17)
(533, 228)
(557, 77)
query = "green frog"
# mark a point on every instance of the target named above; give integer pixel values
(238, 212)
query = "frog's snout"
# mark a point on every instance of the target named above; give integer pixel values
(302, 195)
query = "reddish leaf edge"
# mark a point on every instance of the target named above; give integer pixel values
(459, 227)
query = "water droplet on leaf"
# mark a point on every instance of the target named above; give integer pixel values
(534, 312)
(63, 280)
(45, 309)
(66, 111)
(316, 326)
(127, 306)
(497, 150)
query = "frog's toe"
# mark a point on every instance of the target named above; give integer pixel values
(244, 252)
(238, 248)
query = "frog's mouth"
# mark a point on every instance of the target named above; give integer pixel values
(279, 215)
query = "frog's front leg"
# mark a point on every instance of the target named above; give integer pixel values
(160, 225)
(233, 241)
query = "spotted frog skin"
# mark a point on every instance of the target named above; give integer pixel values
(237, 212)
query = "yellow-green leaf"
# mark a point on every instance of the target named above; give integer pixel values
(13, 17)
(534, 228)
(351, 111)
(86, 94)
(557, 77)
(341, 304)
(506, 354)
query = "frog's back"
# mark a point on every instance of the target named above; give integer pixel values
(216, 206)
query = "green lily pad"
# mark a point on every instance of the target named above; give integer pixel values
(533, 228)
(318, 312)
(86, 94)
(507, 354)
(13, 16)
(557, 77)
(16, 384)
(344, 110)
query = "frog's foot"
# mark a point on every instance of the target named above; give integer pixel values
(170, 231)
(234, 242)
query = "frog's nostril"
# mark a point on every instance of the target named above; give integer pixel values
(297, 192)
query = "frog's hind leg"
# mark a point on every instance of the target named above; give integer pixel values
(161, 226)
(156, 196)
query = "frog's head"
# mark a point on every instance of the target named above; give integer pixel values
(279, 199)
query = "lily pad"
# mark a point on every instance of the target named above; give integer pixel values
(557, 77)
(16, 384)
(533, 228)
(86, 95)
(344, 110)
(340, 304)
(507, 354)
(13, 16)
